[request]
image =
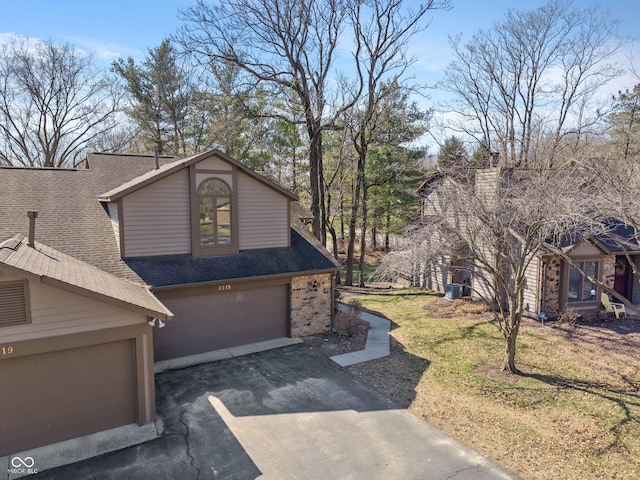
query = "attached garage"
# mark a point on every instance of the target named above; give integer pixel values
(76, 354)
(220, 316)
(68, 386)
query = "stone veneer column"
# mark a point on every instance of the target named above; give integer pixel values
(609, 271)
(311, 304)
(551, 301)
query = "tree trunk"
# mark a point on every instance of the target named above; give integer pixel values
(511, 335)
(363, 237)
(342, 225)
(294, 167)
(315, 165)
(374, 238)
(387, 241)
(510, 355)
(334, 238)
(352, 236)
(353, 220)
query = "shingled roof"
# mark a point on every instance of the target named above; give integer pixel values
(172, 167)
(54, 268)
(172, 270)
(72, 220)
(70, 217)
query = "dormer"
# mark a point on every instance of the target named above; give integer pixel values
(204, 205)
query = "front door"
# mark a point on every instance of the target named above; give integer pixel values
(622, 284)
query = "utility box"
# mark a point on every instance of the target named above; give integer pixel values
(453, 291)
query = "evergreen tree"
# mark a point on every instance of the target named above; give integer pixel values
(160, 94)
(453, 153)
(625, 123)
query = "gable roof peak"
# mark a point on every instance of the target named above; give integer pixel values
(169, 168)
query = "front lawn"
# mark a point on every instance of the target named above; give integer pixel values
(573, 414)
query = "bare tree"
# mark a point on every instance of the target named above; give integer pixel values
(491, 223)
(533, 77)
(286, 43)
(382, 29)
(53, 104)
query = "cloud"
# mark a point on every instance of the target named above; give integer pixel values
(11, 37)
(105, 51)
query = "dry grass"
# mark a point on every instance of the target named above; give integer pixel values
(470, 306)
(574, 413)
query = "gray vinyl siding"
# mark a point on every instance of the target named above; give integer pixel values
(58, 312)
(214, 163)
(115, 224)
(434, 276)
(532, 288)
(487, 184)
(157, 218)
(482, 286)
(432, 204)
(263, 215)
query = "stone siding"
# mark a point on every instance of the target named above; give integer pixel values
(551, 295)
(552, 273)
(311, 304)
(609, 271)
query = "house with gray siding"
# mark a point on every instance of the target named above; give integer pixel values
(552, 282)
(107, 270)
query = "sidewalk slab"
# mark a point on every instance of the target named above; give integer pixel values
(377, 345)
(191, 360)
(80, 448)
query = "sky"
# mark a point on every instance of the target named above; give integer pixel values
(113, 29)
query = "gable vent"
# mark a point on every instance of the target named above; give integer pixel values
(13, 305)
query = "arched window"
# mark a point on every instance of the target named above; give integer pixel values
(214, 197)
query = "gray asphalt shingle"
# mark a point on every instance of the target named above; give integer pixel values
(58, 269)
(73, 221)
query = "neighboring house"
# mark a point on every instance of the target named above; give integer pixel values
(552, 283)
(109, 253)
(555, 284)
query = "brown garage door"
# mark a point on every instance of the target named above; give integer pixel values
(210, 318)
(54, 396)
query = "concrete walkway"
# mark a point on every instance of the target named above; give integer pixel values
(225, 353)
(377, 345)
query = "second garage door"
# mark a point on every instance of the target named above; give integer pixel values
(54, 396)
(223, 316)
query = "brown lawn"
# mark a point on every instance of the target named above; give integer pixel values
(574, 413)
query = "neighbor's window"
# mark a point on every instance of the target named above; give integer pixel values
(215, 212)
(581, 289)
(14, 308)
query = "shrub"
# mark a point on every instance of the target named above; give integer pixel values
(348, 321)
(569, 315)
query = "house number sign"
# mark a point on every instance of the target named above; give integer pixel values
(6, 350)
(224, 288)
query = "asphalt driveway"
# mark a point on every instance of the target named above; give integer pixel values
(288, 413)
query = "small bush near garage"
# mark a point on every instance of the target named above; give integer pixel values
(347, 322)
